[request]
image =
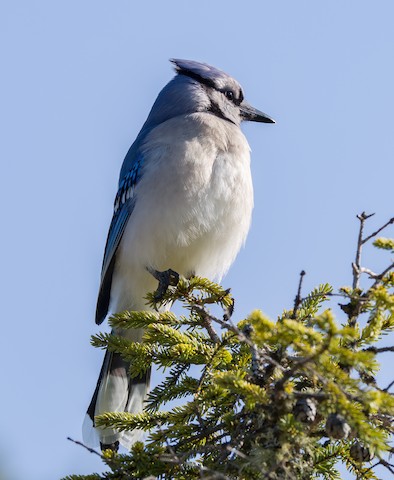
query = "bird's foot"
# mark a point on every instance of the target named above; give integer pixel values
(110, 446)
(166, 279)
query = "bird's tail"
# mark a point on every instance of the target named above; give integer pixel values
(115, 392)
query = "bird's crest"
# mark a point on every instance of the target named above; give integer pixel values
(201, 72)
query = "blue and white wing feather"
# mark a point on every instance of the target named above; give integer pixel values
(123, 208)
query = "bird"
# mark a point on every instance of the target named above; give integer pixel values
(184, 205)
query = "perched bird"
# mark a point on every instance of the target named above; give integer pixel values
(184, 203)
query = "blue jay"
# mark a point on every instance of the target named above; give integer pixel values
(184, 203)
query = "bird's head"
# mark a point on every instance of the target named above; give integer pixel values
(219, 93)
(199, 87)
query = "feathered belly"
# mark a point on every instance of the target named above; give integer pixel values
(190, 215)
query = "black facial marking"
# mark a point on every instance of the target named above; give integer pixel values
(213, 108)
(229, 94)
(208, 83)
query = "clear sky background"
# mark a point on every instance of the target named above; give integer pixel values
(78, 78)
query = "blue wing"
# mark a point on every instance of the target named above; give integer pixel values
(123, 208)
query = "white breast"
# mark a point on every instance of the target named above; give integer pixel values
(193, 206)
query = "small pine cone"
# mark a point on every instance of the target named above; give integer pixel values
(247, 330)
(257, 364)
(305, 410)
(337, 427)
(361, 453)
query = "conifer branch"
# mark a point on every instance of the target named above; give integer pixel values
(265, 394)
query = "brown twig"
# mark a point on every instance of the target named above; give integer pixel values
(300, 362)
(229, 325)
(389, 386)
(356, 265)
(91, 450)
(365, 240)
(207, 322)
(317, 395)
(381, 275)
(379, 350)
(388, 465)
(298, 299)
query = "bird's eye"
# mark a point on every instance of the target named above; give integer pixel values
(229, 94)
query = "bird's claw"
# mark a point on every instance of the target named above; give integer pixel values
(168, 278)
(109, 446)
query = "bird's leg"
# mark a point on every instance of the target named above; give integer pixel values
(166, 279)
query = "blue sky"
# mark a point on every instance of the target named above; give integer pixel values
(78, 79)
